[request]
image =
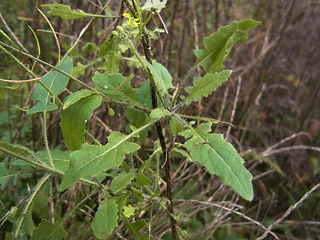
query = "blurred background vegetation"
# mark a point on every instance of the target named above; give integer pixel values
(272, 99)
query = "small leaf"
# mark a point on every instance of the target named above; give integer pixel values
(175, 126)
(182, 152)
(65, 12)
(219, 157)
(105, 219)
(159, 113)
(218, 45)
(122, 180)
(142, 180)
(75, 116)
(159, 82)
(110, 111)
(91, 160)
(163, 74)
(56, 82)
(144, 95)
(76, 97)
(49, 231)
(128, 211)
(158, 5)
(206, 85)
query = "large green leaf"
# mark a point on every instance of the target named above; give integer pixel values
(105, 219)
(206, 85)
(80, 107)
(218, 45)
(56, 82)
(219, 157)
(49, 231)
(91, 160)
(116, 87)
(65, 12)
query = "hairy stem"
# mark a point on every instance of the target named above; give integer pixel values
(166, 159)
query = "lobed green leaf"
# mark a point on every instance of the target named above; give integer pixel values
(218, 45)
(204, 86)
(49, 231)
(75, 97)
(65, 12)
(91, 160)
(106, 218)
(219, 157)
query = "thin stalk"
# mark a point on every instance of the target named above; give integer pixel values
(79, 204)
(93, 138)
(182, 84)
(38, 46)
(26, 208)
(44, 167)
(45, 136)
(54, 34)
(165, 154)
(68, 75)
(146, 69)
(29, 71)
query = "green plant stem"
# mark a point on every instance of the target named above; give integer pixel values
(68, 75)
(93, 138)
(26, 208)
(30, 72)
(149, 75)
(182, 84)
(44, 130)
(165, 154)
(44, 167)
(203, 119)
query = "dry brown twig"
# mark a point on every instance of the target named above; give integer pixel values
(234, 106)
(288, 149)
(233, 211)
(287, 213)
